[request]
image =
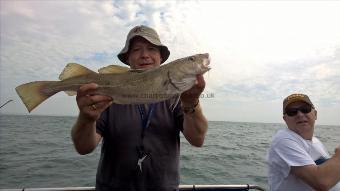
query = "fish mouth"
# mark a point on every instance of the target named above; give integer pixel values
(206, 61)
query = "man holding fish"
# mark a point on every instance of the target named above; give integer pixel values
(140, 142)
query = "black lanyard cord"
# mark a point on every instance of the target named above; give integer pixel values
(146, 119)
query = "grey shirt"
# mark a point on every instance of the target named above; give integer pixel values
(121, 128)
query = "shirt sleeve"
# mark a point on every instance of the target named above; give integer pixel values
(102, 121)
(293, 153)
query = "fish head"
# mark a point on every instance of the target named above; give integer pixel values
(194, 65)
(181, 73)
(203, 63)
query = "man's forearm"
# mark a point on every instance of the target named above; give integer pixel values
(195, 126)
(329, 171)
(84, 136)
(320, 177)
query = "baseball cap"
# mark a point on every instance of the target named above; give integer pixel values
(295, 98)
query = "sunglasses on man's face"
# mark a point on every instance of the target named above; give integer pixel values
(294, 110)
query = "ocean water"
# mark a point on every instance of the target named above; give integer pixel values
(37, 151)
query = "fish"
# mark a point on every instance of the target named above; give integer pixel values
(122, 84)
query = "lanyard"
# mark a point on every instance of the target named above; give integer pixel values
(146, 119)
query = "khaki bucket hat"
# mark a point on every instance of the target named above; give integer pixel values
(148, 34)
(295, 98)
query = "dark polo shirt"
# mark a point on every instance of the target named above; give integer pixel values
(121, 128)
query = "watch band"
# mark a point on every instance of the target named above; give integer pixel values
(190, 109)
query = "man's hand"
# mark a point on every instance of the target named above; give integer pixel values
(191, 96)
(195, 125)
(337, 151)
(91, 105)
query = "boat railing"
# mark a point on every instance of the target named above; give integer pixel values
(246, 187)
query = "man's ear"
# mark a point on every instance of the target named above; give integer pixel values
(316, 114)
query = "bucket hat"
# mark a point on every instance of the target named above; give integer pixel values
(148, 34)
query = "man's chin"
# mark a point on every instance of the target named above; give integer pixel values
(303, 125)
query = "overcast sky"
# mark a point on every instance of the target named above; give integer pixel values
(261, 51)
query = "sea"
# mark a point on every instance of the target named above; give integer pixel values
(37, 152)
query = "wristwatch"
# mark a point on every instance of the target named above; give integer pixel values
(190, 109)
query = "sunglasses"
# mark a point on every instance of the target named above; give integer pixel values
(293, 111)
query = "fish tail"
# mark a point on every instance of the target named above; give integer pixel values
(34, 93)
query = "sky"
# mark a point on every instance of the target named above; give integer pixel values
(260, 51)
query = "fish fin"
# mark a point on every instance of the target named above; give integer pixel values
(71, 93)
(187, 83)
(113, 69)
(183, 84)
(174, 104)
(73, 69)
(34, 93)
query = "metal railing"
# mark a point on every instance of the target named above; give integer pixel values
(181, 188)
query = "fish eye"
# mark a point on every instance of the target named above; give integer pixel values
(191, 58)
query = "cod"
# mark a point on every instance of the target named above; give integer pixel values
(124, 85)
